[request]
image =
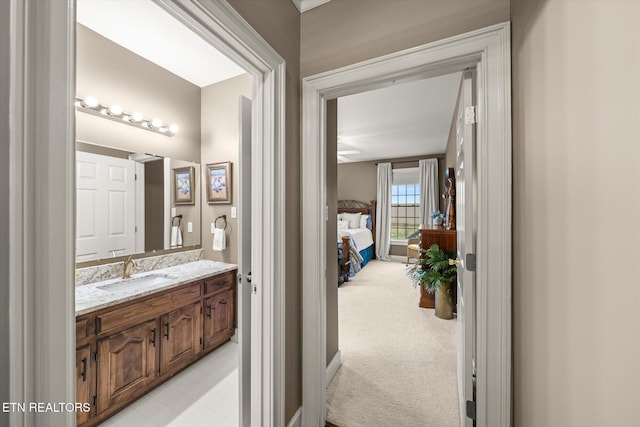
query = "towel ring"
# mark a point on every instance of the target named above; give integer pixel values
(222, 217)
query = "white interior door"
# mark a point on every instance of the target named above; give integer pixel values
(105, 206)
(244, 285)
(465, 225)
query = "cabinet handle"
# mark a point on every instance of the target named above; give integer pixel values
(166, 330)
(223, 301)
(209, 311)
(98, 325)
(84, 370)
(153, 337)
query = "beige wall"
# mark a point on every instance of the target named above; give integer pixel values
(278, 22)
(576, 201)
(116, 75)
(220, 133)
(343, 32)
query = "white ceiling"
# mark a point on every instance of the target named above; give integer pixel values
(402, 120)
(147, 30)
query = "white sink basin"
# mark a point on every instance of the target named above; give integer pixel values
(138, 283)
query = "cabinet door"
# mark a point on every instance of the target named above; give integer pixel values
(218, 318)
(127, 363)
(181, 332)
(85, 381)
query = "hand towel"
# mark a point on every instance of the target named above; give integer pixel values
(176, 236)
(219, 239)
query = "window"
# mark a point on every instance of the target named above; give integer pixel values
(405, 203)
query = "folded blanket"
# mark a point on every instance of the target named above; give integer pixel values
(354, 256)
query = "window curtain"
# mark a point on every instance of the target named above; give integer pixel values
(428, 170)
(383, 212)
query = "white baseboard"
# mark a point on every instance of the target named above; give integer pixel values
(333, 366)
(296, 420)
(398, 258)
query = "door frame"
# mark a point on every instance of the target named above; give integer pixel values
(39, 341)
(489, 50)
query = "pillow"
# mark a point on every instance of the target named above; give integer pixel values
(353, 218)
(365, 221)
(343, 225)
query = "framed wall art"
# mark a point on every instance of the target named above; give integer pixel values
(219, 183)
(184, 188)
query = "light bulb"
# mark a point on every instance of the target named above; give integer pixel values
(156, 123)
(115, 110)
(136, 117)
(174, 128)
(91, 101)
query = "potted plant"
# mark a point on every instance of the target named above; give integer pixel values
(436, 217)
(436, 270)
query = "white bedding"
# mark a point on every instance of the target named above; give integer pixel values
(362, 237)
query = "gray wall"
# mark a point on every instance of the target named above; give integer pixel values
(343, 32)
(5, 208)
(278, 22)
(450, 154)
(576, 175)
(220, 133)
(357, 181)
(154, 204)
(116, 75)
(332, 229)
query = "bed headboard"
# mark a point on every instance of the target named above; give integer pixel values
(356, 206)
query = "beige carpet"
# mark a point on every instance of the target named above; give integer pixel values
(398, 360)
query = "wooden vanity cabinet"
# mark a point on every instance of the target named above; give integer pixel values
(127, 364)
(181, 337)
(124, 351)
(218, 318)
(85, 380)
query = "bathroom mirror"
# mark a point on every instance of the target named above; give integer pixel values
(133, 203)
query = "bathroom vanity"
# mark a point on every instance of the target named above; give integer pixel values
(134, 334)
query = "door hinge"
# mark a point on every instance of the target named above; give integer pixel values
(470, 262)
(470, 115)
(471, 409)
(95, 355)
(255, 290)
(95, 400)
(200, 340)
(135, 177)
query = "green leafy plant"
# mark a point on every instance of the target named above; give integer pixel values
(433, 270)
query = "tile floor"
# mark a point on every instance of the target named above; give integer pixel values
(204, 394)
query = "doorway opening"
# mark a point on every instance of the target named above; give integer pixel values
(44, 299)
(393, 353)
(487, 51)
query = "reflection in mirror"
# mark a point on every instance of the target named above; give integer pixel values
(126, 203)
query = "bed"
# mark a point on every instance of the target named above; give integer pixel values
(356, 236)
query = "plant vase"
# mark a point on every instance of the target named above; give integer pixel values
(444, 302)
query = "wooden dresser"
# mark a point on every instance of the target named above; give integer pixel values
(446, 239)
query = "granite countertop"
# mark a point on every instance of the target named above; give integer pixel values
(95, 296)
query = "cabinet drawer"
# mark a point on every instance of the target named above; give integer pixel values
(145, 308)
(217, 283)
(83, 329)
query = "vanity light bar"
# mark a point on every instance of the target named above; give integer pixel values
(115, 112)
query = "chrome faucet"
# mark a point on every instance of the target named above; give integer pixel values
(128, 266)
